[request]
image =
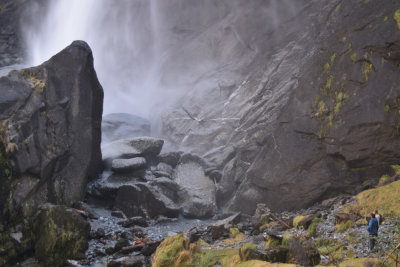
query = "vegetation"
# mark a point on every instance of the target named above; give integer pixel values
(384, 198)
(312, 229)
(396, 17)
(343, 227)
(169, 251)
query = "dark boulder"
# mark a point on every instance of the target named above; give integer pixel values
(126, 165)
(118, 126)
(144, 200)
(50, 128)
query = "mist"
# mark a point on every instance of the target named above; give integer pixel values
(147, 54)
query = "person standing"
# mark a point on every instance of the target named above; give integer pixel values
(378, 217)
(372, 229)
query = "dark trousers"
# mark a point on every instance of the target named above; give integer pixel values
(372, 240)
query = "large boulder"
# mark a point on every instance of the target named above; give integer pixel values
(197, 189)
(50, 129)
(142, 199)
(60, 234)
(118, 126)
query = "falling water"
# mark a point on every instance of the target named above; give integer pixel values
(122, 36)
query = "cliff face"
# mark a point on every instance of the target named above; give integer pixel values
(313, 112)
(290, 101)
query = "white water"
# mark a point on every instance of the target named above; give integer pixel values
(126, 52)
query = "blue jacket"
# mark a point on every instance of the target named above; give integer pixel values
(373, 227)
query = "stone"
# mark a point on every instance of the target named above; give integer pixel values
(116, 126)
(130, 148)
(166, 168)
(129, 261)
(221, 227)
(118, 214)
(306, 221)
(120, 244)
(142, 199)
(60, 234)
(138, 220)
(126, 165)
(171, 158)
(51, 116)
(80, 205)
(304, 253)
(198, 191)
(277, 254)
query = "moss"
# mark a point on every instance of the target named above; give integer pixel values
(333, 57)
(334, 249)
(245, 250)
(316, 101)
(327, 86)
(327, 68)
(361, 262)
(257, 263)
(272, 242)
(343, 227)
(387, 109)
(366, 69)
(312, 229)
(353, 57)
(285, 239)
(396, 169)
(168, 251)
(60, 235)
(384, 198)
(296, 220)
(385, 18)
(384, 178)
(396, 17)
(235, 236)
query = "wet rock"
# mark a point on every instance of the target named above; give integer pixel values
(118, 126)
(221, 228)
(133, 147)
(166, 168)
(126, 165)
(99, 233)
(163, 219)
(277, 254)
(149, 248)
(109, 250)
(161, 174)
(198, 194)
(60, 234)
(138, 220)
(144, 200)
(129, 261)
(87, 208)
(39, 108)
(168, 187)
(99, 252)
(120, 244)
(118, 214)
(22, 187)
(171, 158)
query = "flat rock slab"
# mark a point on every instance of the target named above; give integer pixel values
(125, 165)
(130, 148)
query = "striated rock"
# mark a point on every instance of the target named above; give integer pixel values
(118, 126)
(60, 234)
(50, 128)
(126, 165)
(323, 130)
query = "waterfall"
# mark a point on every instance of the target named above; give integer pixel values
(123, 37)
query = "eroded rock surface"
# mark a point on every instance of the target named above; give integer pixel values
(50, 129)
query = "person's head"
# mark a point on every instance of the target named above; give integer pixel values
(376, 212)
(372, 215)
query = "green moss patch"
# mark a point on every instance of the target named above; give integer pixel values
(396, 17)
